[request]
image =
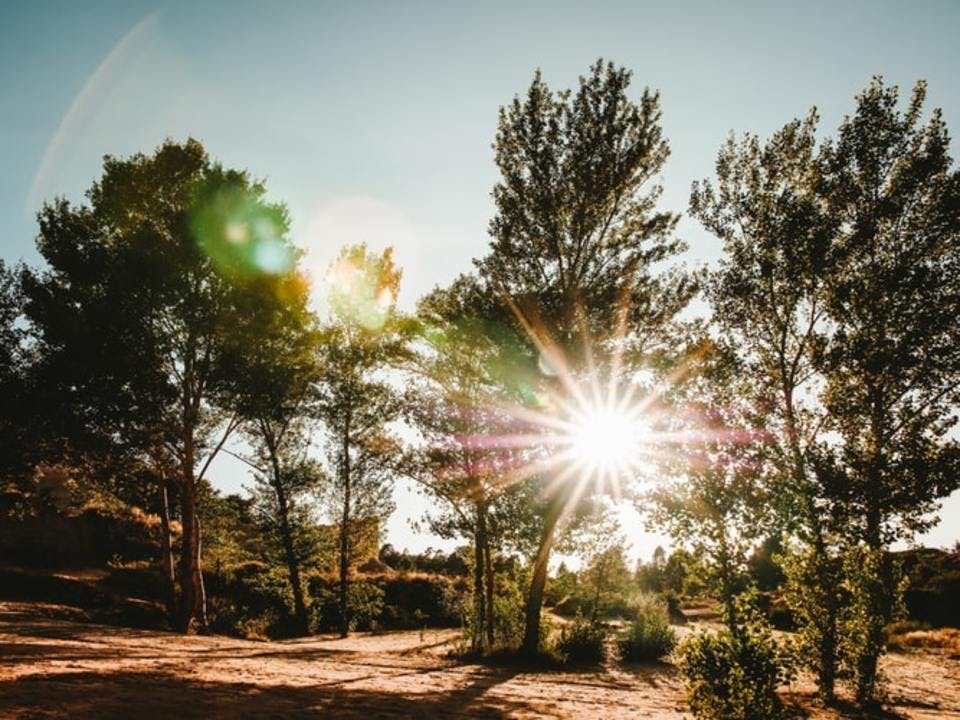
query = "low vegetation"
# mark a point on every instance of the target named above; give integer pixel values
(648, 635)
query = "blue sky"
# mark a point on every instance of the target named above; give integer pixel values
(373, 120)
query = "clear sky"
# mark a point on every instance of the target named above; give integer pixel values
(373, 120)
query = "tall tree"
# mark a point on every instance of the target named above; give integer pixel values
(892, 363)
(605, 574)
(275, 389)
(768, 307)
(152, 290)
(358, 403)
(716, 498)
(465, 381)
(577, 235)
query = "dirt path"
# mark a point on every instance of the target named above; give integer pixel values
(61, 669)
(56, 668)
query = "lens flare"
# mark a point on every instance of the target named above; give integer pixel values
(606, 440)
(362, 287)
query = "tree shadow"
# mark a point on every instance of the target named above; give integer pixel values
(158, 695)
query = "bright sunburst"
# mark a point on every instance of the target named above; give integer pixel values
(607, 440)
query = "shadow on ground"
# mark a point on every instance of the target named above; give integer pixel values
(155, 695)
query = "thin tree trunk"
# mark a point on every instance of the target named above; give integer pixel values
(344, 537)
(479, 601)
(166, 550)
(488, 578)
(201, 585)
(879, 590)
(192, 600)
(601, 576)
(191, 577)
(286, 537)
(538, 582)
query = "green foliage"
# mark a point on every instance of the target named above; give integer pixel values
(875, 585)
(733, 674)
(897, 313)
(582, 641)
(365, 601)
(679, 574)
(605, 582)
(763, 567)
(649, 636)
(86, 534)
(468, 368)
(839, 293)
(576, 223)
(815, 594)
(283, 508)
(141, 323)
(891, 364)
(364, 606)
(717, 501)
(19, 441)
(249, 600)
(430, 561)
(508, 609)
(388, 602)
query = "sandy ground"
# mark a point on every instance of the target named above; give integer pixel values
(56, 668)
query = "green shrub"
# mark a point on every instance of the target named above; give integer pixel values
(649, 636)
(582, 641)
(508, 619)
(365, 603)
(393, 602)
(733, 675)
(249, 600)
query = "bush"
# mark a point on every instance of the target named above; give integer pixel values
(391, 602)
(249, 600)
(734, 675)
(649, 636)
(582, 641)
(364, 606)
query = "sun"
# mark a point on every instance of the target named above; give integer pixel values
(606, 440)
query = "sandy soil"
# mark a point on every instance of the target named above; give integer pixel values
(57, 668)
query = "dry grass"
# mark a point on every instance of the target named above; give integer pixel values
(945, 639)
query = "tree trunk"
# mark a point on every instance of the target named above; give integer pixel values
(344, 536)
(479, 600)
(192, 610)
(538, 582)
(827, 659)
(201, 585)
(488, 578)
(879, 587)
(728, 590)
(601, 577)
(290, 555)
(166, 551)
